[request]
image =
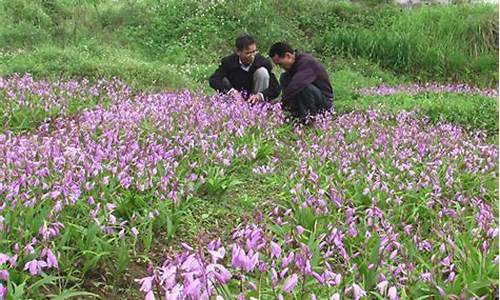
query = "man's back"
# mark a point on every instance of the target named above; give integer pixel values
(307, 70)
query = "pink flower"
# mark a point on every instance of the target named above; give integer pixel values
(241, 260)
(274, 277)
(441, 291)
(335, 296)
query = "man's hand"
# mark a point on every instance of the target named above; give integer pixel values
(255, 98)
(235, 94)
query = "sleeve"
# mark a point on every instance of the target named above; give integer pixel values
(217, 81)
(304, 75)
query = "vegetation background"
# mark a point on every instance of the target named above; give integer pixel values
(176, 44)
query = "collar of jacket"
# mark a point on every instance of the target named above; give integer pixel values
(257, 63)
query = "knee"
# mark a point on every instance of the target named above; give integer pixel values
(311, 88)
(284, 80)
(261, 73)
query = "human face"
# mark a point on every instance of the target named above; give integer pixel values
(286, 62)
(247, 55)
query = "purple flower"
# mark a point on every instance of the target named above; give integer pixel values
(174, 293)
(146, 283)
(135, 232)
(275, 250)
(4, 258)
(393, 293)
(299, 229)
(382, 286)
(4, 275)
(150, 296)
(3, 291)
(51, 260)
(193, 289)
(287, 260)
(290, 283)
(451, 277)
(357, 291)
(217, 254)
(223, 275)
(426, 276)
(35, 266)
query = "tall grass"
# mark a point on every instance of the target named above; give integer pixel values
(449, 44)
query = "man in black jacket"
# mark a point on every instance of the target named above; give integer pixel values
(306, 87)
(246, 71)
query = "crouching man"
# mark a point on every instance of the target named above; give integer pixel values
(306, 87)
(246, 73)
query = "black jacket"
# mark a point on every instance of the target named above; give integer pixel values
(240, 79)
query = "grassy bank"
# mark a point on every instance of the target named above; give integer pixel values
(177, 44)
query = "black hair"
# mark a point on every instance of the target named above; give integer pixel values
(244, 41)
(280, 48)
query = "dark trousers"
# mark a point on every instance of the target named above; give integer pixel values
(308, 103)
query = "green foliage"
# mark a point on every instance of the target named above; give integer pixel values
(174, 44)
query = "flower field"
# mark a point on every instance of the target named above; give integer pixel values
(94, 177)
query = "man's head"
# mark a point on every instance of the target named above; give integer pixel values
(246, 48)
(282, 55)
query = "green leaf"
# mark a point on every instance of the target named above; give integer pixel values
(18, 292)
(123, 257)
(70, 294)
(90, 263)
(47, 279)
(147, 238)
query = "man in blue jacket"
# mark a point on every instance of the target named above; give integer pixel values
(246, 73)
(307, 90)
